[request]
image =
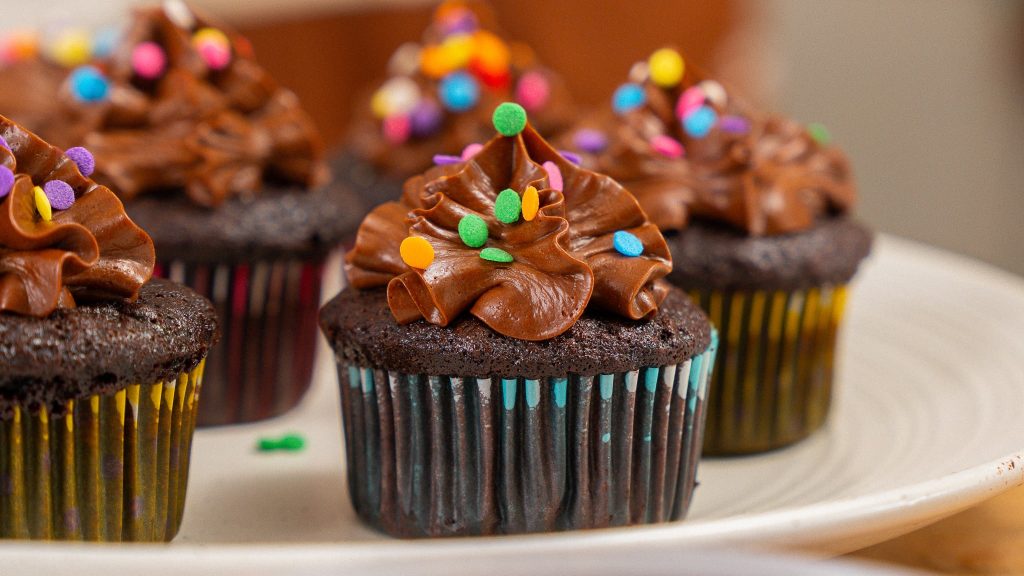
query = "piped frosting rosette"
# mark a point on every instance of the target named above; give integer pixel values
(62, 237)
(686, 148)
(516, 235)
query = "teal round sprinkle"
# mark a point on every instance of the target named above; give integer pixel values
(509, 119)
(820, 134)
(496, 255)
(473, 231)
(508, 206)
(627, 244)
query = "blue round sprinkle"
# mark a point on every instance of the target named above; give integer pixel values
(627, 97)
(627, 244)
(88, 84)
(459, 91)
(700, 122)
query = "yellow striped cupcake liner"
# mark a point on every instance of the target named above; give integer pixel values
(114, 468)
(772, 385)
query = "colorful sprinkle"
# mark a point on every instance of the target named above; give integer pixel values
(286, 443)
(473, 230)
(533, 91)
(628, 97)
(456, 19)
(820, 133)
(149, 60)
(19, 45)
(492, 254)
(416, 252)
(531, 203)
(627, 244)
(83, 159)
(714, 91)
(571, 157)
(405, 60)
(667, 146)
(471, 150)
(6, 181)
(445, 160)
(397, 129)
(589, 140)
(60, 194)
(459, 91)
(691, 99)
(734, 125)
(432, 62)
(639, 72)
(700, 122)
(72, 48)
(425, 118)
(507, 206)
(396, 97)
(179, 13)
(88, 84)
(213, 46)
(105, 40)
(42, 204)
(491, 55)
(509, 118)
(456, 50)
(3, 142)
(554, 175)
(667, 67)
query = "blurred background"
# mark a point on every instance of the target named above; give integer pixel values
(927, 96)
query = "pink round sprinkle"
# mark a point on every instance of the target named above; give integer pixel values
(83, 158)
(397, 129)
(471, 150)
(533, 91)
(691, 99)
(554, 175)
(667, 146)
(6, 181)
(216, 55)
(149, 60)
(60, 194)
(444, 159)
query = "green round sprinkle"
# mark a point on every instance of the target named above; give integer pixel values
(507, 206)
(287, 443)
(820, 134)
(473, 230)
(509, 119)
(496, 255)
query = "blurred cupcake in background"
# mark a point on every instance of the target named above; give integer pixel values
(224, 168)
(437, 99)
(756, 210)
(101, 366)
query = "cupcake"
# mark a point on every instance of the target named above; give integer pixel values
(756, 211)
(510, 359)
(101, 369)
(224, 169)
(437, 100)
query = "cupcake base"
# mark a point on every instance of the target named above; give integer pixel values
(446, 456)
(113, 469)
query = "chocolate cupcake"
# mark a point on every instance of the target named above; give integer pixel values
(101, 370)
(510, 360)
(756, 211)
(438, 98)
(224, 169)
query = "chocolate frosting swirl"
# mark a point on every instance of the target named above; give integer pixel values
(769, 176)
(89, 251)
(564, 258)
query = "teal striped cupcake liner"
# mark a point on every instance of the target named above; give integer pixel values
(435, 455)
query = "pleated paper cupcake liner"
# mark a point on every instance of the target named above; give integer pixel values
(263, 364)
(447, 456)
(114, 468)
(773, 382)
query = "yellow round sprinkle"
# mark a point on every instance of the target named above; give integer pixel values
(210, 35)
(456, 50)
(531, 203)
(380, 105)
(71, 49)
(666, 67)
(416, 252)
(43, 204)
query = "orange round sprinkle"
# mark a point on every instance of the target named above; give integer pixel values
(416, 252)
(490, 53)
(433, 62)
(531, 203)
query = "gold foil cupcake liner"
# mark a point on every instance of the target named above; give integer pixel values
(114, 468)
(772, 385)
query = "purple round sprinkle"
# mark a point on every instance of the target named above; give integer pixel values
(589, 140)
(4, 143)
(83, 158)
(734, 125)
(6, 181)
(571, 157)
(425, 118)
(442, 159)
(60, 194)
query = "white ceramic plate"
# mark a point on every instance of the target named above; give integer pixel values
(927, 422)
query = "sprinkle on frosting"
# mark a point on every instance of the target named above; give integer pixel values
(508, 206)
(666, 67)
(509, 119)
(628, 97)
(627, 244)
(417, 252)
(43, 206)
(149, 60)
(473, 231)
(88, 84)
(492, 254)
(531, 203)
(6, 181)
(59, 194)
(554, 176)
(82, 158)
